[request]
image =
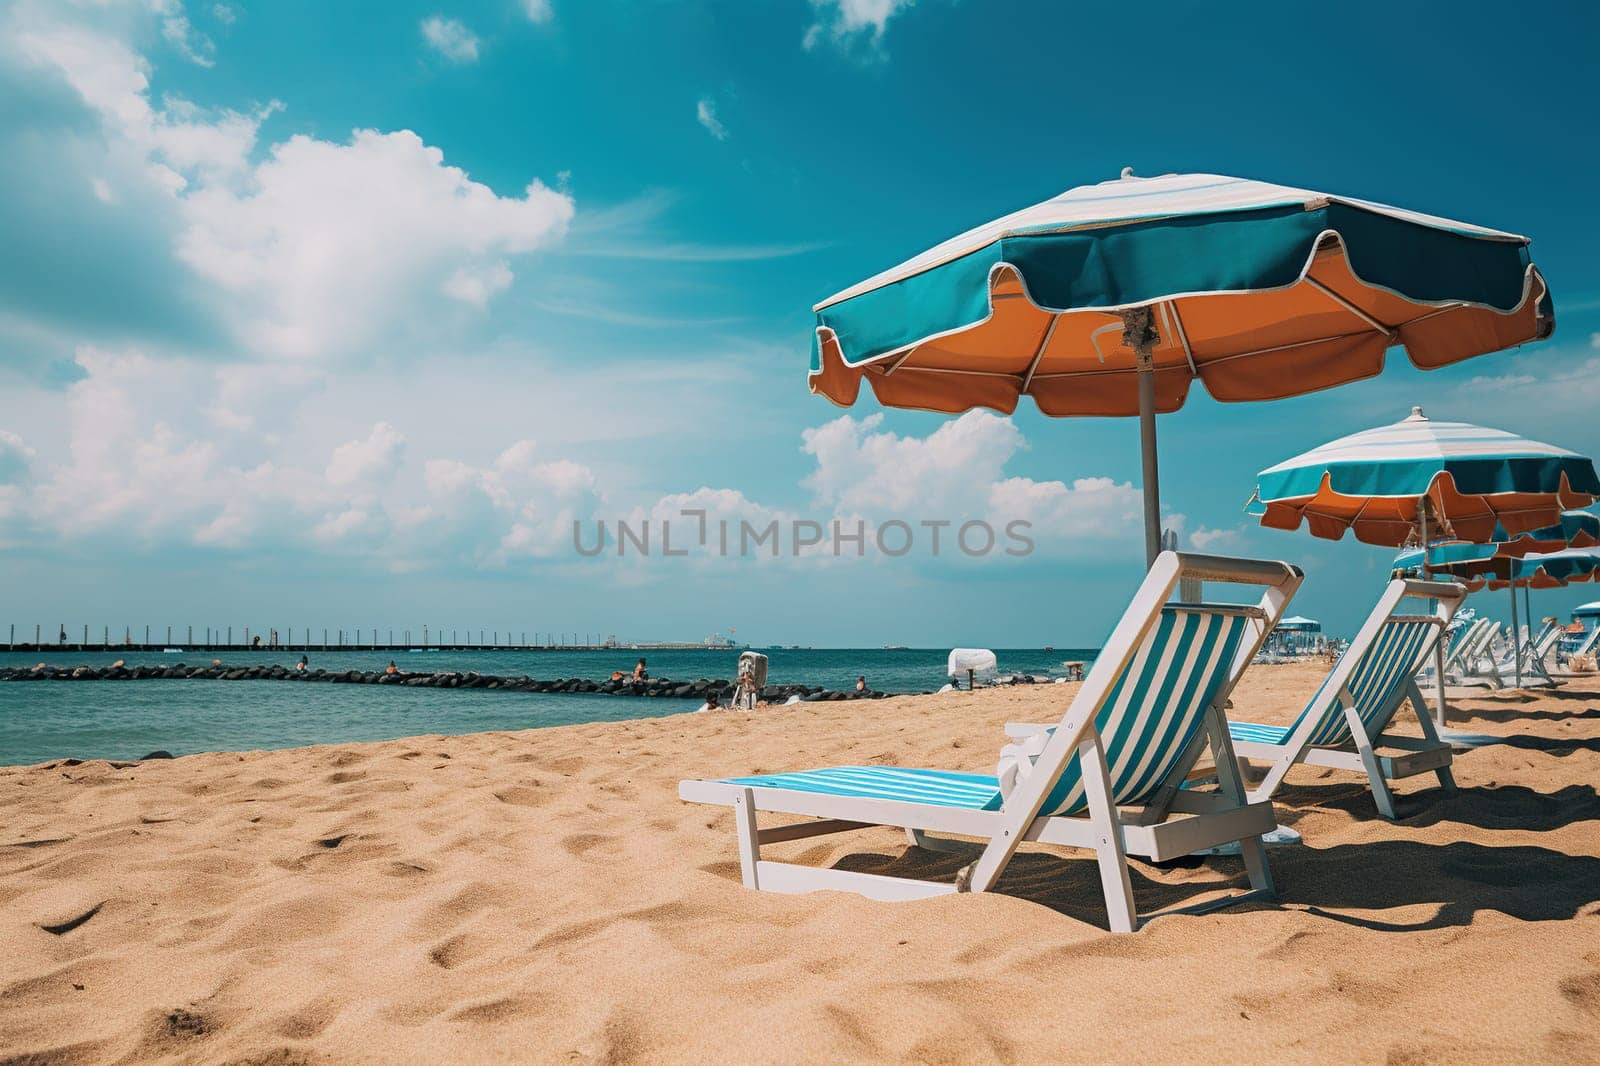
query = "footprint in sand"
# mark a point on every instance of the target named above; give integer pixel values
(455, 951)
(530, 795)
(1582, 991)
(580, 844)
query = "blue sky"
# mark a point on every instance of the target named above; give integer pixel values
(341, 314)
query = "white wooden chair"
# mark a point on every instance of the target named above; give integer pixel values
(1344, 723)
(1109, 777)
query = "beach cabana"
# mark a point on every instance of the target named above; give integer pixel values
(1295, 636)
(1114, 299)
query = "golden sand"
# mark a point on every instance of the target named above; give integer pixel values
(545, 896)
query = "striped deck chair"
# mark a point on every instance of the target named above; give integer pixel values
(1108, 778)
(1343, 724)
(1465, 661)
(1536, 656)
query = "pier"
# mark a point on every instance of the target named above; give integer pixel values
(309, 639)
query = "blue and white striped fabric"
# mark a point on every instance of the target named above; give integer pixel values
(1149, 717)
(938, 788)
(1157, 705)
(1376, 685)
(1402, 460)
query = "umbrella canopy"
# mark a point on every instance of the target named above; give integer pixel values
(1577, 529)
(1552, 570)
(1477, 481)
(1112, 299)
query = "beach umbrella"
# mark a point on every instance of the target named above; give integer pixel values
(1386, 484)
(1472, 562)
(1483, 565)
(1113, 299)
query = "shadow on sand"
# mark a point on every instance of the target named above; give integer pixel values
(1459, 878)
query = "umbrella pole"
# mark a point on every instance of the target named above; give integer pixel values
(1516, 637)
(1147, 451)
(1438, 647)
(1139, 333)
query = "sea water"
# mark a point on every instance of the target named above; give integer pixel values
(41, 720)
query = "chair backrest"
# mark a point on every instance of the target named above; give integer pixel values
(1465, 638)
(1158, 701)
(1162, 669)
(1379, 665)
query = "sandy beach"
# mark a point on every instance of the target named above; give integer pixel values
(544, 895)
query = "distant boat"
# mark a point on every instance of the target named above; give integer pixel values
(1049, 647)
(171, 651)
(895, 647)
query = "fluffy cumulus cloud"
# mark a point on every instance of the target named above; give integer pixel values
(311, 248)
(450, 38)
(150, 465)
(327, 241)
(956, 474)
(705, 112)
(370, 462)
(849, 23)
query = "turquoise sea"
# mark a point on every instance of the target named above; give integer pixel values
(42, 720)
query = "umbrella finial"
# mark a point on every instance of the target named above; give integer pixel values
(1127, 172)
(1416, 414)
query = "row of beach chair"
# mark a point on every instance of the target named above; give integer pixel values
(1116, 774)
(1479, 657)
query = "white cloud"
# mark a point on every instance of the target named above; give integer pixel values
(224, 14)
(705, 112)
(538, 10)
(332, 241)
(450, 38)
(845, 23)
(182, 143)
(955, 474)
(1210, 540)
(16, 458)
(369, 462)
(175, 27)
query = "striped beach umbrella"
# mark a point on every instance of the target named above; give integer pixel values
(1386, 484)
(1489, 565)
(1576, 529)
(1113, 299)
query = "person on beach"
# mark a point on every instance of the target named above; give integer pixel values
(300, 666)
(639, 672)
(391, 668)
(861, 683)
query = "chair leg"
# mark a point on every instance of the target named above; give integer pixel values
(1380, 787)
(744, 819)
(1447, 781)
(1230, 779)
(1109, 851)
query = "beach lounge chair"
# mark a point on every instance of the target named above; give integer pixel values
(1343, 725)
(1108, 778)
(1466, 655)
(1536, 655)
